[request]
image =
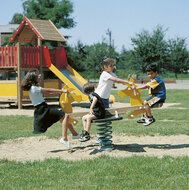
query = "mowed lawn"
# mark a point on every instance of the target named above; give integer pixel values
(136, 172)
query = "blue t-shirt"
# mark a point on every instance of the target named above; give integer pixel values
(157, 88)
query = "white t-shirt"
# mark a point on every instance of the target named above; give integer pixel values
(35, 95)
(105, 85)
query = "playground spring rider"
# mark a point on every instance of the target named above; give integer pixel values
(104, 131)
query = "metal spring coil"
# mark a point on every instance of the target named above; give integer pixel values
(104, 135)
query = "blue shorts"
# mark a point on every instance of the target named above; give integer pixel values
(105, 102)
(154, 100)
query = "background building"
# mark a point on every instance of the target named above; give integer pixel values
(7, 31)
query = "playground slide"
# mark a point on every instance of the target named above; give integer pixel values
(65, 72)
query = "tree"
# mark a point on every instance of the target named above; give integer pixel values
(95, 53)
(126, 59)
(58, 11)
(149, 48)
(125, 64)
(17, 18)
(86, 59)
(76, 56)
(178, 57)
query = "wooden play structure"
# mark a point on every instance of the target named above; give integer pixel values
(18, 59)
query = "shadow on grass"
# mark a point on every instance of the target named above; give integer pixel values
(140, 148)
(135, 148)
(88, 147)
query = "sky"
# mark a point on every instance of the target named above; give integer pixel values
(124, 18)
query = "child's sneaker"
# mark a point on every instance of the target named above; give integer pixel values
(76, 137)
(66, 143)
(85, 136)
(149, 120)
(142, 119)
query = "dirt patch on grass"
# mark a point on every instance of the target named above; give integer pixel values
(41, 147)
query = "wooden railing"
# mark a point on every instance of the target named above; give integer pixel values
(30, 57)
(8, 56)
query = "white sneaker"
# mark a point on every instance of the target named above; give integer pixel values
(66, 143)
(142, 119)
(76, 137)
(149, 121)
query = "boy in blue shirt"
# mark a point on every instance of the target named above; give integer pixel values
(157, 93)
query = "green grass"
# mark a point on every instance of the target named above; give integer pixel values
(173, 96)
(168, 121)
(136, 172)
(100, 173)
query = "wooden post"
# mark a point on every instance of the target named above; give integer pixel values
(58, 44)
(19, 72)
(39, 43)
(60, 86)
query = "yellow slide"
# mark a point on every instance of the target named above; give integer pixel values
(70, 77)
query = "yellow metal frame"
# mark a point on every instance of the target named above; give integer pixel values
(81, 81)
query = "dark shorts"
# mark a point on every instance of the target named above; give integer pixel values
(105, 102)
(154, 101)
(44, 117)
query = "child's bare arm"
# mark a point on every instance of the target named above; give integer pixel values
(142, 87)
(93, 104)
(118, 80)
(53, 91)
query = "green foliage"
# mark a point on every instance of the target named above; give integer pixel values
(7, 43)
(76, 56)
(171, 55)
(95, 53)
(58, 11)
(125, 60)
(178, 57)
(17, 18)
(149, 48)
(86, 59)
(123, 73)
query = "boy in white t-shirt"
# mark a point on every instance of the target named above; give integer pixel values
(107, 78)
